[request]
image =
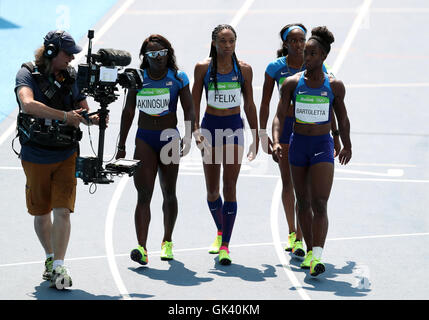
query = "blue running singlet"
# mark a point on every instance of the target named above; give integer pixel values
(312, 106)
(221, 130)
(279, 71)
(158, 98)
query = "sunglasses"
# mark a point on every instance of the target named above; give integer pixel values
(155, 54)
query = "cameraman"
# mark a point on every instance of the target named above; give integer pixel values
(46, 91)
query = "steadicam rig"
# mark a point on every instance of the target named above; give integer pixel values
(99, 78)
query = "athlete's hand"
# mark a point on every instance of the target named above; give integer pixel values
(202, 143)
(253, 150)
(185, 146)
(337, 146)
(267, 144)
(277, 152)
(345, 156)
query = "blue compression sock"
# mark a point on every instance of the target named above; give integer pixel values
(216, 211)
(229, 212)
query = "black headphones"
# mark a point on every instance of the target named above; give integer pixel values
(53, 45)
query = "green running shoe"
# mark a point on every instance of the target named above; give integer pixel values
(47, 275)
(139, 255)
(167, 250)
(291, 241)
(60, 278)
(307, 260)
(316, 267)
(298, 250)
(214, 248)
(224, 258)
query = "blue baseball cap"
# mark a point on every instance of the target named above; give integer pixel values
(63, 41)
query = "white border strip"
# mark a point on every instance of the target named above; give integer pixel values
(363, 11)
(17, 264)
(108, 238)
(241, 13)
(277, 243)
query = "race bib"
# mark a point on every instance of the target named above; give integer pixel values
(153, 101)
(227, 96)
(311, 109)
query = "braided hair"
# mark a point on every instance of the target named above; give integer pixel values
(282, 52)
(213, 54)
(323, 37)
(171, 62)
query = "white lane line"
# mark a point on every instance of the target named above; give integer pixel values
(108, 238)
(9, 131)
(277, 243)
(367, 164)
(377, 85)
(363, 11)
(99, 33)
(278, 189)
(260, 244)
(241, 13)
(387, 85)
(272, 176)
(389, 173)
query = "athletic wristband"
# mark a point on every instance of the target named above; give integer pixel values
(64, 118)
(335, 133)
(263, 132)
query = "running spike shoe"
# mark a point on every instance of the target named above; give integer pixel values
(291, 241)
(167, 250)
(214, 248)
(47, 275)
(139, 255)
(224, 258)
(298, 250)
(316, 267)
(307, 260)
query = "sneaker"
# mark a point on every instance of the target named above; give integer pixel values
(167, 250)
(139, 255)
(316, 267)
(60, 278)
(307, 260)
(291, 241)
(298, 250)
(214, 248)
(47, 275)
(224, 258)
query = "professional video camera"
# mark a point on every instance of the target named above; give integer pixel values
(98, 78)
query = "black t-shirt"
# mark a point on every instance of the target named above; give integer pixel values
(31, 153)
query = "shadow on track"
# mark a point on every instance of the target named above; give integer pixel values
(44, 292)
(177, 274)
(243, 272)
(326, 282)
